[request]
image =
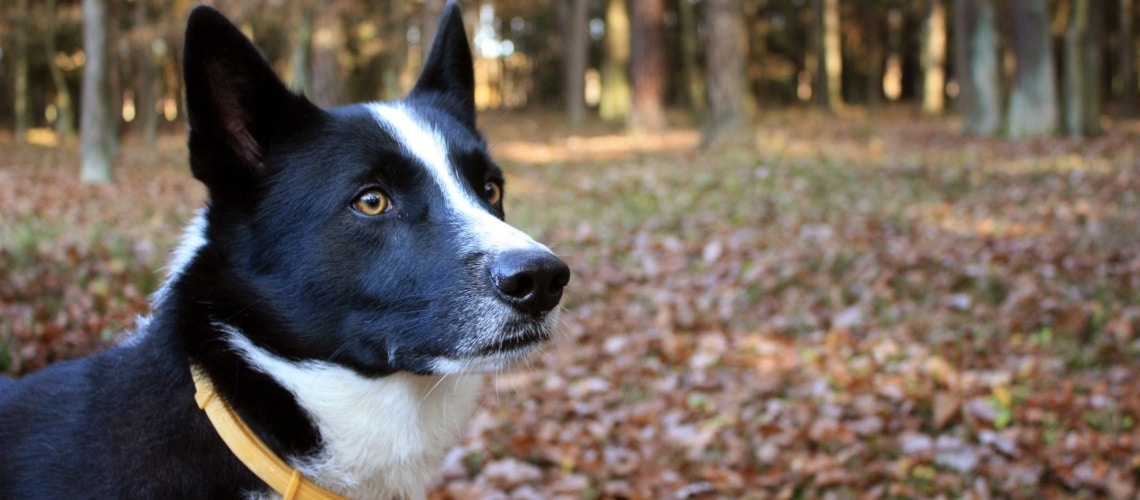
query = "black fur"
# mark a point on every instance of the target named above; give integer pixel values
(286, 261)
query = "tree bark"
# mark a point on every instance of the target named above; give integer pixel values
(694, 79)
(301, 55)
(65, 112)
(20, 70)
(647, 66)
(893, 73)
(145, 95)
(429, 19)
(328, 43)
(395, 54)
(725, 53)
(978, 67)
(934, 58)
(829, 89)
(576, 41)
(1033, 100)
(615, 99)
(96, 128)
(1127, 55)
(872, 24)
(1083, 68)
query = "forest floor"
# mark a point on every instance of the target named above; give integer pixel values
(847, 306)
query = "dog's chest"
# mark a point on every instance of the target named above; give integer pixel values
(382, 437)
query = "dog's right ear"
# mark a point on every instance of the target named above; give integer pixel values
(235, 103)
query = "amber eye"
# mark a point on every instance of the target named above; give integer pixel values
(493, 192)
(371, 202)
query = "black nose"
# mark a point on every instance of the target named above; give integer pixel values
(530, 280)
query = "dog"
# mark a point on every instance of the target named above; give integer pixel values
(348, 281)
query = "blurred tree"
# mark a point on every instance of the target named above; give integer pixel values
(20, 70)
(576, 41)
(976, 62)
(725, 54)
(96, 126)
(65, 114)
(615, 99)
(145, 95)
(934, 58)
(872, 52)
(829, 74)
(1127, 58)
(394, 30)
(1033, 99)
(689, 43)
(647, 66)
(328, 73)
(429, 18)
(1083, 44)
(300, 57)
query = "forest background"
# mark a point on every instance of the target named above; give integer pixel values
(851, 247)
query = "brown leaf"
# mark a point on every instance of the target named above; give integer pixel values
(946, 407)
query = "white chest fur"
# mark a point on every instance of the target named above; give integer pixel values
(381, 437)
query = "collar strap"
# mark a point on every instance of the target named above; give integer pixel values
(250, 449)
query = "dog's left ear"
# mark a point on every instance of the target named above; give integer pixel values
(236, 105)
(448, 76)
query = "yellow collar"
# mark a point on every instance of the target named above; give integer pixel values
(251, 450)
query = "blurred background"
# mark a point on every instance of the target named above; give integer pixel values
(821, 248)
(712, 62)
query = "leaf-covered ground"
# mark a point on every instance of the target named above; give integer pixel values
(847, 307)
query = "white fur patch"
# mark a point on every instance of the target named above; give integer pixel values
(193, 238)
(381, 437)
(485, 232)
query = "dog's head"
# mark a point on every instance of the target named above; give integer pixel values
(368, 235)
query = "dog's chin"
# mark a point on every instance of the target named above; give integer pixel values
(499, 362)
(506, 351)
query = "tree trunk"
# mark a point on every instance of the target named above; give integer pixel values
(395, 54)
(872, 28)
(576, 41)
(615, 99)
(64, 112)
(145, 76)
(893, 74)
(20, 69)
(694, 79)
(829, 88)
(1127, 60)
(1083, 68)
(328, 42)
(96, 128)
(429, 18)
(647, 66)
(979, 71)
(934, 58)
(725, 53)
(1033, 99)
(300, 57)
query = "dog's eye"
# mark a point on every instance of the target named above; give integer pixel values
(493, 192)
(371, 202)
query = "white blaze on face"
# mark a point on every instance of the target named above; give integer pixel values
(482, 231)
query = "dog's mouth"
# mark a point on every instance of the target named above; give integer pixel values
(509, 349)
(516, 342)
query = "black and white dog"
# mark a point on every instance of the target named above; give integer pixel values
(350, 272)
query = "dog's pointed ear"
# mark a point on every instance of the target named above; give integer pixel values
(449, 73)
(235, 103)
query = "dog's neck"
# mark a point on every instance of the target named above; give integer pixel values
(381, 437)
(251, 450)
